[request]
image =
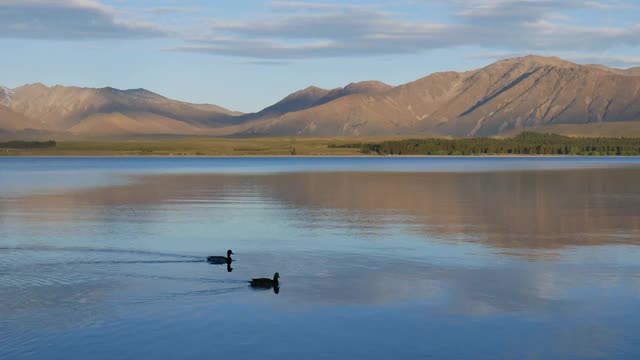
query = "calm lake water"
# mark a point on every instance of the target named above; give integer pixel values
(407, 258)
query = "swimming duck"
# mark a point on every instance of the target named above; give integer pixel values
(221, 259)
(266, 283)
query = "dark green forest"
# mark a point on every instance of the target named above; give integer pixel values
(527, 143)
(19, 144)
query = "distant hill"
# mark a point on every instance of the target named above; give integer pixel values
(507, 97)
(108, 111)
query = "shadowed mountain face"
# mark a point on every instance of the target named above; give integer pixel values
(505, 97)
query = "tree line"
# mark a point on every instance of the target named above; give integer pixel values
(527, 143)
(20, 144)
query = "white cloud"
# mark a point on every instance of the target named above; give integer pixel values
(306, 5)
(262, 62)
(173, 10)
(67, 20)
(333, 30)
(301, 29)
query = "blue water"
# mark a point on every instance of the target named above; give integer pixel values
(484, 258)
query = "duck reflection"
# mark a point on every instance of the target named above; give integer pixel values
(228, 263)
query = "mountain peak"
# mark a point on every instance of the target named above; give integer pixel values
(367, 87)
(537, 60)
(311, 92)
(140, 92)
(5, 95)
(37, 85)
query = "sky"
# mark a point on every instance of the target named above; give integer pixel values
(247, 54)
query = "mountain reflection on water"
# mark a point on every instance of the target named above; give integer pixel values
(506, 210)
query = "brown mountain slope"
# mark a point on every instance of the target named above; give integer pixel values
(315, 96)
(628, 72)
(299, 100)
(12, 121)
(360, 88)
(62, 108)
(511, 94)
(115, 124)
(633, 71)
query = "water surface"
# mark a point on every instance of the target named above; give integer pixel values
(479, 258)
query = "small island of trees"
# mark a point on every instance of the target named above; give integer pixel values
(20, 144)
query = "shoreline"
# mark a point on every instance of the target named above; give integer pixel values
(314, 156)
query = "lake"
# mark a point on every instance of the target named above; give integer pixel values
(413, 258)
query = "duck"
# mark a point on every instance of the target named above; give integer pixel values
(266, 283)
(221, 259)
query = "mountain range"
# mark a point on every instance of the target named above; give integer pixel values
(505, 97)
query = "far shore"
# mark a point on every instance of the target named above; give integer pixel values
(309, 156)
(288, 147)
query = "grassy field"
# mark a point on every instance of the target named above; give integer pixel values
(200, 147)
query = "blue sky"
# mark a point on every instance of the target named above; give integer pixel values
(245, 55)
